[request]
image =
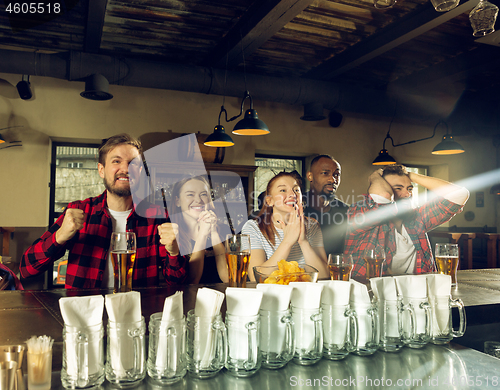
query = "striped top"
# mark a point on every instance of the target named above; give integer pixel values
(258, 241)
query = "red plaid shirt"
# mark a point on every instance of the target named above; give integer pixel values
(89, 247)
(367, 229)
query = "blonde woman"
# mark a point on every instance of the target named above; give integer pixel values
(192, 210)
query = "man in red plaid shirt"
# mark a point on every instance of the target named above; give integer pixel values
(387, 218)
(86, 226)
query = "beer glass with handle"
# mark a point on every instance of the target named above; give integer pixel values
(447, 260)
(340, 266)
(238, 258)
(123, 251)
(374, 259)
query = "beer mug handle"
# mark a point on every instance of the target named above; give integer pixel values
(318, 331)
(353, 325)
(138, 345)
(82, 356)
(413, 320)
(172, 340)
(373, 313)
(220, 342)
(461, 312)
(253, 346)
(289, 340)
(428, 319)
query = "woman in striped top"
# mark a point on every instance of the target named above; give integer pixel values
(281, 231)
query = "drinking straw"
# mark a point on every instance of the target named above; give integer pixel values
(38, 347)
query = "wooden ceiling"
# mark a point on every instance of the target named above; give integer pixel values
(409, 46)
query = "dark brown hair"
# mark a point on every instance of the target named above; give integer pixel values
(395, 169)
(120, 139)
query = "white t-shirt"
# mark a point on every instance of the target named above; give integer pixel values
(258, 241)
(119, 220)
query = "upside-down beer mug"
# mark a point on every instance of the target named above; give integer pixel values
(391, 324)
(276, 338)
(126, 351)
(442, 324)
(243, 339)
(83, 356)
(365, 318)
(206, 345)
(308, 335)
(166, 351)
(422, 323)
(338, 340)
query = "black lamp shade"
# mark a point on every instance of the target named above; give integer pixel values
(96, 88)
(384, 158)
(219, 138)
(251, 125)
(448, 146)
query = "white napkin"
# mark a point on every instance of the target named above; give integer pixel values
(243, 301)
(360, 302)
(276, 296)
(173, 309)
(413, 287)
(335, 297)
(306, 295)
(384, 288)
(438, 285)
(359, 293)
(82, 312)
(439, 291)
(122, 308)
(335, 292)
(208, 304)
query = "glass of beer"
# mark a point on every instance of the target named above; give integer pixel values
(340, 266)
(447, 260)
(238, 258)
(374, 259)
(123, 250)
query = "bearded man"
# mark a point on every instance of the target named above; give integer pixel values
(85, 229)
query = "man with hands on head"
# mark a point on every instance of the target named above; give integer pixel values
(85, 229)
(386, 217)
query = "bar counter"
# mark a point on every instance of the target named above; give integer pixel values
(27, 313)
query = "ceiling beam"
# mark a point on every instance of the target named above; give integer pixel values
(262, 20)
(95, 22)
(396, 34)
(457, 69)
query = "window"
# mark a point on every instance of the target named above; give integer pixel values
(73, 176)
(269, 166)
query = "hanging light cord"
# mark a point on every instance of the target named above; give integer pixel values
(388, 136)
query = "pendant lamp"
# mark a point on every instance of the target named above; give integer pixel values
(219, 138)
(250, 124)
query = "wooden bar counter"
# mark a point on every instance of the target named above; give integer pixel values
(27, 313)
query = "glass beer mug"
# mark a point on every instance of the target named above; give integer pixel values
(166, 353)
(422, 323)
(276, 338)
(364, 319)
(308, 335)
(442, 324)
(391, 324)
(338, 339)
